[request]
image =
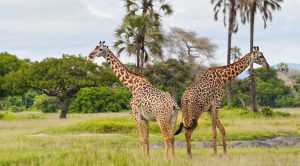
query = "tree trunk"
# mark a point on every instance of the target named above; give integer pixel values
(229, 36)
(252, 72)
(137, 69)
(64, 105)
(142, 62)
(174, 93)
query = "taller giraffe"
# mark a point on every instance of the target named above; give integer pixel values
(206, 94)
(147, 103)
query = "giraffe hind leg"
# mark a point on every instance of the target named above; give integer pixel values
(214, 132)
(222, 131)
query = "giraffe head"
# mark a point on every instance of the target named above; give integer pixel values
(259, 58)
(100, 50)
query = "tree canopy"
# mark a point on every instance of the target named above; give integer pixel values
(61, 78)
(8, 63)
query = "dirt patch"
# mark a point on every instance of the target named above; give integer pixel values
(288, 141)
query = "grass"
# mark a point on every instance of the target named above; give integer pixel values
(111, 139)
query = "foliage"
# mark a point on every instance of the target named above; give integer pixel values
(8, 115)
(45, 103)
(100, 99)
(28, 98)
(249, 8)
(271, 91)
(12, 103)
(8, 63)
(140, 32)
(107, 77)
(282, 67)
(267, 111)
(172, 76)
(61, 78)
(186, 45)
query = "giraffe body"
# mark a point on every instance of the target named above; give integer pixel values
(147, 103)
(205, 95)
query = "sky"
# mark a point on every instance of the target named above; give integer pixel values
(37, 29)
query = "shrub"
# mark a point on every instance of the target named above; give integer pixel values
(267, 111)
(284, 101)
(12, 103)
(100, 99)
(45, 103)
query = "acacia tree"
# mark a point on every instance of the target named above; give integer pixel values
(248, 11)
(140, 32)
(235, 53)
(230, 8)
(188, 46)
(61, 78)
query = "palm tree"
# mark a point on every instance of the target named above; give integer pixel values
(248, 9)
(235, 53)
(140, 32)
(230, 8)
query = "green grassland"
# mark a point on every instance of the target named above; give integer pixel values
(33, 138)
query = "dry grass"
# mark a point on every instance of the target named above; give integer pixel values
(35, 142)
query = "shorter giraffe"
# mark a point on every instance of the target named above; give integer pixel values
(206, 94)
(148, 103)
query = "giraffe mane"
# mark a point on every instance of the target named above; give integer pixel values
(136, 74)
(221, 67)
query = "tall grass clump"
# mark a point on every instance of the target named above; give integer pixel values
(120, 125)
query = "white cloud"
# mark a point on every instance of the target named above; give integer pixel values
(95, 11)
(37, 29)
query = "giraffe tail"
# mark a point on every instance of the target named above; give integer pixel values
(181, 126)
(179, 129)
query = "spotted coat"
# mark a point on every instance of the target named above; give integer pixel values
(205, 95)
(148, 103)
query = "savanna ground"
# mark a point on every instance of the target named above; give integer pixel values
(33, 138)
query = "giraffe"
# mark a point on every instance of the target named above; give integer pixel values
(206, 94)
(148, 103)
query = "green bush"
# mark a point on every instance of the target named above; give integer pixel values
(267, 111)
(100, 99)
(12, 103)
(284, 101)
(45, 103)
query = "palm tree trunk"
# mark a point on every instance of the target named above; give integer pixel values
(229, 37)
(137, 69)
(252, 86)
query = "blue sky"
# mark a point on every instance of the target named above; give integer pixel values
(37, 29)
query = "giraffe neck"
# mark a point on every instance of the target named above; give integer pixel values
(130, 80)
(231, 71)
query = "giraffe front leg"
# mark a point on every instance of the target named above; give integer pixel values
(139, 123)
(145, 125)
